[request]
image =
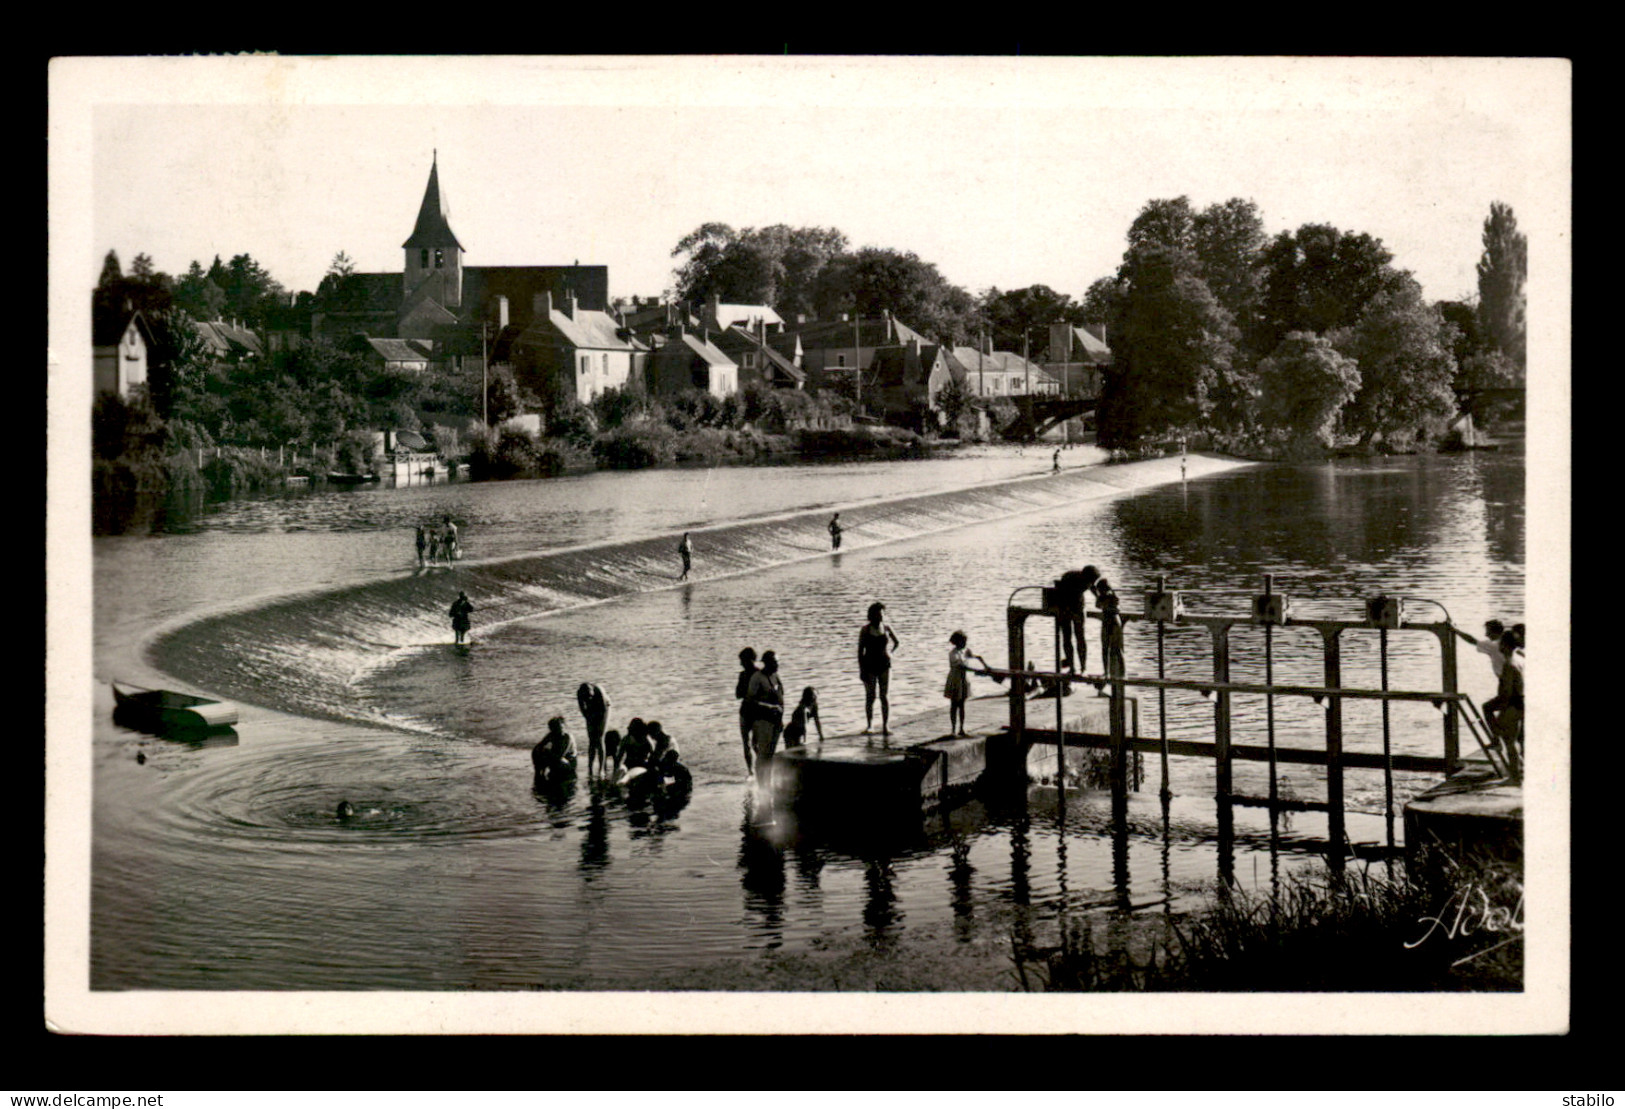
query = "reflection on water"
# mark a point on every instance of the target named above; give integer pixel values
(225, 867)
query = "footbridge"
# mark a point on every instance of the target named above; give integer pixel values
(1038, 414)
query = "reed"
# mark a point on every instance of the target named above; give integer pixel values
(1456, 927)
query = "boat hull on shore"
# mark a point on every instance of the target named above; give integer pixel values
(163, 711)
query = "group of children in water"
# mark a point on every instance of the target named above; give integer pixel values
(645, 755)
(437, 544)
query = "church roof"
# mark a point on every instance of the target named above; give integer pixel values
(434, 217)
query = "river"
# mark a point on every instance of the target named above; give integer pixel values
(222, 866)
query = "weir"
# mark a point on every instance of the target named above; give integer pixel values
(1000, 757)
(307, 653)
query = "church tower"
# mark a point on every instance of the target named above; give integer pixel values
(433, 253)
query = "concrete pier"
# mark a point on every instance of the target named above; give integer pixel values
(919, 766)
(1472, 814)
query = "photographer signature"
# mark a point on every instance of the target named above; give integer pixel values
(1474, 912)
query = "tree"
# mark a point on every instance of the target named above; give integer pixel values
(702, 250)
(112, 273)
(1304, 385)
(1172, 347)
(953, 402)
(1229, 240)
(1011, 315)
(1402, 346)
(342, 265)
(777, 265)
(877, 279)
(142, 269)
(1319, 279)
(198, 296)
(1502, 271)
(250, 290)
(1100, 301)
(1164, 223)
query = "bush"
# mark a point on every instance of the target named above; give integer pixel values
(236, 470)
(635, 447)
(693, 408)
(573, 422)
(614, 407)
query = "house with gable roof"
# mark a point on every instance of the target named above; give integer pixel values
(120, 342)
(571, 351)
(838, 348)
(689, 360)
(720, 317)
(1077, 358)
(903, 377)
(758, 361)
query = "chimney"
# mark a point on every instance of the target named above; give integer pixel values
(570, 306)
(541, 304)
(502, 312)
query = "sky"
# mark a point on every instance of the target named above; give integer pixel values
(1004, 172)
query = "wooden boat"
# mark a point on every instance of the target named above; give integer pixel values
(162, 710)
(350, 479)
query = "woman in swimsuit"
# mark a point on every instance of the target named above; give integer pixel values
(875, 643)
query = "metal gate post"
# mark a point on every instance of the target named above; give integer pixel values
(1335, 833)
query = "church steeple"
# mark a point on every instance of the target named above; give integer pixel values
(434, 216)
(433, 250)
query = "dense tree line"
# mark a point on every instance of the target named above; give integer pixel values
(1293, 341)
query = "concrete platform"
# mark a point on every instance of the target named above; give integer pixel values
(1472, 814)
(919, 766)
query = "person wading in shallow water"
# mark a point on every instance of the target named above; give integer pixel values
(835, 532)
(767, 708)
(594, 706)
(747, 719)
(460, 610)
(686, 549)
(876, 641)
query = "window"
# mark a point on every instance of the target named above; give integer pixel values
(423, 258)
(605, 365)
(840, 359)
(439, 258)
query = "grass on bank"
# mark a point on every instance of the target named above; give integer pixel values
(1453, 926)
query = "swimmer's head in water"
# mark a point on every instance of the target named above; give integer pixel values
(345, 810)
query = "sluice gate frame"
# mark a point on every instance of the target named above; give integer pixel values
(1271, 610)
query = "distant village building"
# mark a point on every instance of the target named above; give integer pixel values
(450, 316)
(759, 362)
(580, 351)
(689, 360)
(1077, 358)
(719, 317)
(904, 377)
(1001, 373)
(228, 341)
(120, 343)
(837, 349)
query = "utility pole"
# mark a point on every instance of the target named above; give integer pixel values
(485, 363)
(857, 356)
